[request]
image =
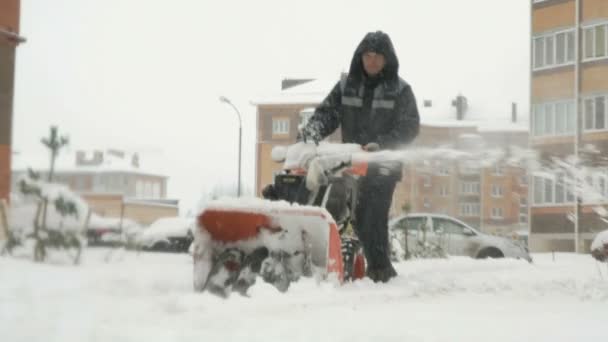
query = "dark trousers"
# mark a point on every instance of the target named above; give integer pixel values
(374, 197)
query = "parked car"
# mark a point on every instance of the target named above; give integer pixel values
(169, 234)
(453, 236)
(111, 231)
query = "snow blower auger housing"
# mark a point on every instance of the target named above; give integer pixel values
(301, 228)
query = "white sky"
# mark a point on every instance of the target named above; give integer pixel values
(146, 74)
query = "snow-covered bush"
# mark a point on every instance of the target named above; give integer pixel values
(48, 215)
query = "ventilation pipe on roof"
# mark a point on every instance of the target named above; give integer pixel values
(460, 102)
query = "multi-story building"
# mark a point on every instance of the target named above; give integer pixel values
(111, 182)
(491, 197)
(569, 89)
(9, 39)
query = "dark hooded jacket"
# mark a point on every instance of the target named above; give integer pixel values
(380, 109)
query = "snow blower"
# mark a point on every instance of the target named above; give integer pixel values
(302, 227)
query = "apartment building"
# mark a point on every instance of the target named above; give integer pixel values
(569, 95)
(9, 40)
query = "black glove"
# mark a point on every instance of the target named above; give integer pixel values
(371, 147)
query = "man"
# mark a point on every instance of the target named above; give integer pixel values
(374, 108)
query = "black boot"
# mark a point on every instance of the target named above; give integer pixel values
(381, 274)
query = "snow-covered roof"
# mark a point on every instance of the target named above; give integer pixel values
(484, 111)
(312, 92)
(66, 163)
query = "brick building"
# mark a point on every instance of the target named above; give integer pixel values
(569, 95)
(9, 40)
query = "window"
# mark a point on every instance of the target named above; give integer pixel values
(553, 49)
(497, 213)
(469, 209)
(594, 113)
(280, 126)
(523, 180)
(469, 188)
(444, 191)
(496, 190)
(498, 169)
(426, 181)
(552, 189)
(426, 202)
(443, 169)
(595, 39)
(553, 118)
(523, 210)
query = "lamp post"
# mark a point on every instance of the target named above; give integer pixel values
(227, 101)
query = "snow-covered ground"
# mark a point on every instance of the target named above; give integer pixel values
(125, 296)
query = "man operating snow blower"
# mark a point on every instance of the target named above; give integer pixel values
(377, 109)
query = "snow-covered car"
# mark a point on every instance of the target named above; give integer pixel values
(111, 231)
(453, 236)
(599, 246)
(170, 234)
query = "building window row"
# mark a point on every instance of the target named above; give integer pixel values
(553, 49)
(469, 209)
(595, 40)
(469, 188)
(552, 190)
(559, 190)
(595, 113)
(553, 118)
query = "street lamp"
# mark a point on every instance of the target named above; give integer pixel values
(227, 101)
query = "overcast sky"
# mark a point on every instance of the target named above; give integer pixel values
(146, 74)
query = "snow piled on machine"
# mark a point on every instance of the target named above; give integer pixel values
(290, 217)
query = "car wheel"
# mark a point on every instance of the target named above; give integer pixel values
(490, 253)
